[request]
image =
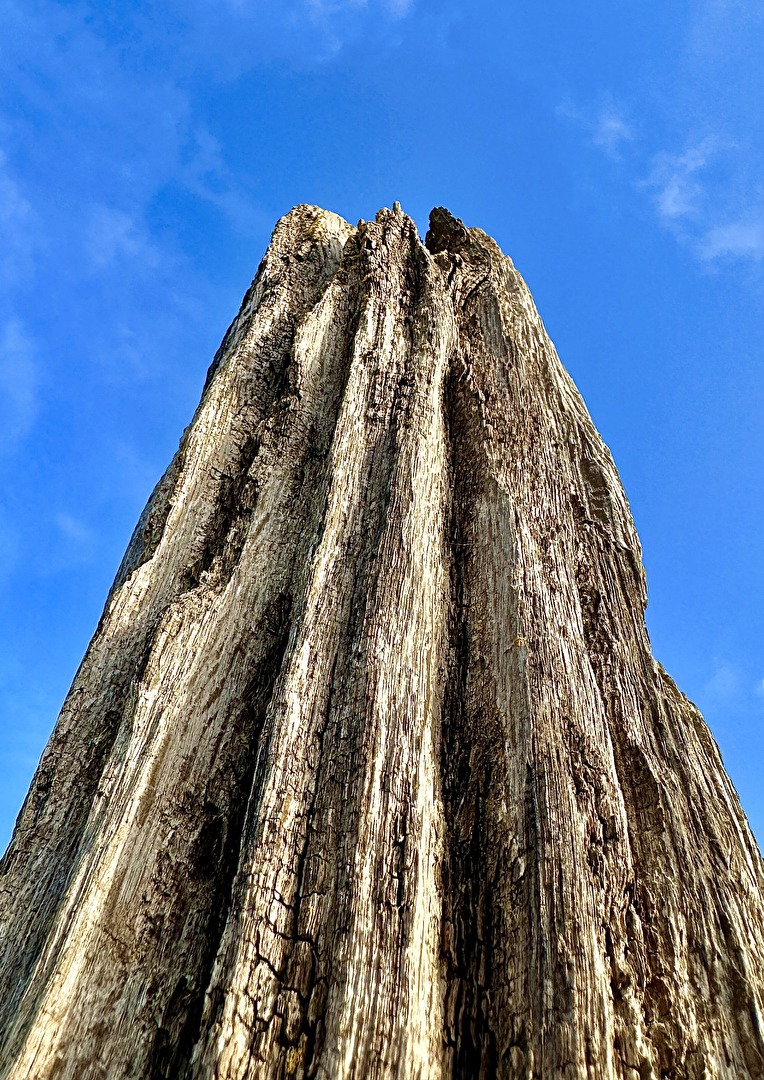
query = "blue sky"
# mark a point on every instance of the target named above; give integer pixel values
(616, 152)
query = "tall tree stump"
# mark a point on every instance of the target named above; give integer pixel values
(369, 771)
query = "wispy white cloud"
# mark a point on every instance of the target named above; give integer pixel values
(696, 147)
(708, 194)
(18, 228)
(10, 550)
(73, 529)
(112, 235)
(725, 32)
(675, 182)
(18, 384)
(336, 23)
(330, 8)
(725, 684)
(205, 173)
(399, 9)
(699, 195)
(742, 239)
(323, 12)
(610, 132)
(605, 126)
(731, 685)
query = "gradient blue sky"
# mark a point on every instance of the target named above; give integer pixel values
(616, 152)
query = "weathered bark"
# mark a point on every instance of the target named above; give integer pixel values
(369, 771)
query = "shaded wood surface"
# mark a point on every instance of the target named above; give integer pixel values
(368, 771)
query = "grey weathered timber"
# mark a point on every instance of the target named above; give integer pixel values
(369, 771)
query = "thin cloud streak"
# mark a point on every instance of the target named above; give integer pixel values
(698, 193)
(19, 382)
(706, 188)
(73, 529)
(605, 127)
(725, 684)
(116, 236)
(327, 13)
(399, 9)
(677, 191)
(611, 132)
(738, 239)
(206, 175)
(18, 228)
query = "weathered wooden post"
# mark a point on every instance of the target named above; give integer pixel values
(369, 771)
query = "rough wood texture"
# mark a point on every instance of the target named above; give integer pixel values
(368, 771)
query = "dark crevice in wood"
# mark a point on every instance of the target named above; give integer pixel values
(466, 777)
(213, 858)
(236, 503)
(150, 528)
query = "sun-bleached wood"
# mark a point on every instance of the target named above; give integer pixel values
(368, 771)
